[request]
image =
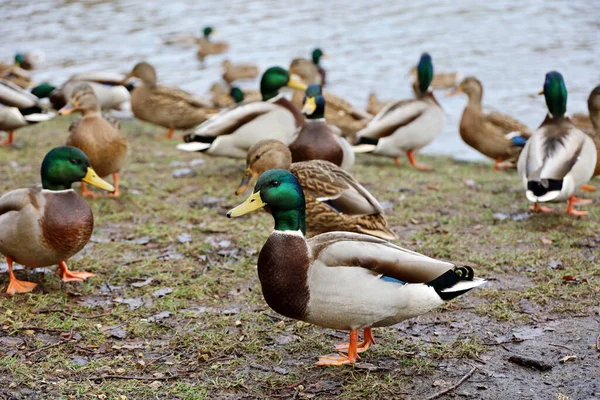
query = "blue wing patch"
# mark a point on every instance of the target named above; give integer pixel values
(393, 280)
(518, 141)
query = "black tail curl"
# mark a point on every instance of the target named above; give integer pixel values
(450, 279)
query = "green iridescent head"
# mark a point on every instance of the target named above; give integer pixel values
(207, 31)
(274, 79)
(236, 94)
(66, 165)
(424, 72)
(19, 58)
(42, 90)
(280, 192)
(316, 55)
(555, 93)
(314, 102)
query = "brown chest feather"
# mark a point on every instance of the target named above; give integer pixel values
(67, 223)
(283, 272)
(316, 142)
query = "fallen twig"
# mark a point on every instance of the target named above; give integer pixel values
(69, 340)
(530, 362)
(451, 388)
(563, 346)
(134, 378)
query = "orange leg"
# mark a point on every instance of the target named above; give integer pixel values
(571, 209)
(15, 285)
(497, 165)
(72, 276)
(11, 136)
(170, 133)
(342, 359)
(397, 161)
(85, 192)
(588, 188)
(368, 340)
(537, 208)
(414, 163)
(116, 193)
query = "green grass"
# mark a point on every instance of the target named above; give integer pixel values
(221, 339)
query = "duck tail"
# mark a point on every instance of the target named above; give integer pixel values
(455, 282)
(365, 145)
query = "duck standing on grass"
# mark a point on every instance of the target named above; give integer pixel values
(558, 158)
(316, 140)
(495, 135)
(43, 227)
(405, 126)
(18, 108)
(335, 201)
(342, 280)
(232, 132)
(166, 106)
(99, 139)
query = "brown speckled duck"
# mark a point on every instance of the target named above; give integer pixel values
(207, 47)
(316, 140)
(343, 280)
(47, 226)
(166, 106)
(591, 124)
(100, 139)
(335, 201)
(495, 135)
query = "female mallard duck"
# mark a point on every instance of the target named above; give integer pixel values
(374, 105)
(16, 75)
(405, 126)
(165, 106)
(495, 135)
(107, 86)
(591, 124)
(99, 139)
(208, 47)
(558, 158)
(316, 140)
(235, 72)
(232, 132)
(30, 60)
(18, 108)
(444, 80)
(224, 96)
(43, 227)
(335, 201)
(310, 71)
(343, 280)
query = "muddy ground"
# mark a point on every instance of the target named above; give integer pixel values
(175, 310)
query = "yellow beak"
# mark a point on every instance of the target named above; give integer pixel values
(252, 203)
(541, 91)
(454, 92)
(246, 179)
(68, 109)
(93, 179)
(310, 105)
(294, 84)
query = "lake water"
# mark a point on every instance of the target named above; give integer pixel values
(508, 44)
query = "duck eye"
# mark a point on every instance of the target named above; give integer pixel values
(74, 161)
(275, 183)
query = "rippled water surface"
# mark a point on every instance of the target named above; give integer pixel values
(508, 44)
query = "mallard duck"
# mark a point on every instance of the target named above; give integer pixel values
(335, 201)
(208, 47)
(224, 96)
(316, 140)
(374, 105)
(444, 80)
(405, 126)
(18, 108)
(166, 106)
(99, 139)
(107, 86)
(30, 60)
(558, 158)
(235, 72)
(47, 226)
(16, 75)
(590, 124)
(495, 135)
(343, 280)
(232, 132)
(310, 71)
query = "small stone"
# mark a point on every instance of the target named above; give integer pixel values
(184, 173)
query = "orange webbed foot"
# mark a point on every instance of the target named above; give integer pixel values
(537, 208)
(16, 286)
(72, 276)
(414, 163)
(335, 360)
(361, 347)
(582, 202)
(571, 207)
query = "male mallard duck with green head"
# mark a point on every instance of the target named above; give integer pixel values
(558, 158)
(342, 280)
(18, 108)
(232, 132)
(405, 126)
(100, 139)
(335, 201)
(43, 227)
(316, 140)
(208, 47)
(495, 135)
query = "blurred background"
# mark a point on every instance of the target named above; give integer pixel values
(509, 45)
